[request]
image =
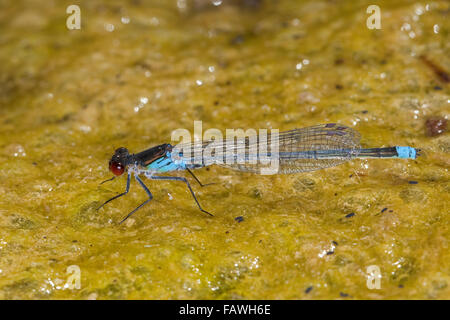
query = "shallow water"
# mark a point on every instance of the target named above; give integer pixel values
(137, 71)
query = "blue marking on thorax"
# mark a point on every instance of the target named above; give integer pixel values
(166, 164)
(406, 152)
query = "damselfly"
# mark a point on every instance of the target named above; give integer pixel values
(294, 151)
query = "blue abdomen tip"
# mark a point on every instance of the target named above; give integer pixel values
(406, 152)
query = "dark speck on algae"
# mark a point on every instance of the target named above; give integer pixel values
(350, 215)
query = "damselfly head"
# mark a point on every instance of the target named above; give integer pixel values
(119, 161)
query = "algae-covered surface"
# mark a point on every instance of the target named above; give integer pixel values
(137, 70)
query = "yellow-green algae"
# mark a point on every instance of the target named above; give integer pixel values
(68, 98)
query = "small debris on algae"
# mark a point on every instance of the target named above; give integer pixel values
(443, 75)
(382, 211)
(350, 215)
(435, 126)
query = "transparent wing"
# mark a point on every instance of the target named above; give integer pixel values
(299, 150)
(334, 144)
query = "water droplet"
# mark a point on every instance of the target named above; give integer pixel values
(295, 22)
(109, 27)
(419, 11)
(143, 100)
(85, 128)
(405, 27)
(154, 21)
(181, 4)
(436, 28)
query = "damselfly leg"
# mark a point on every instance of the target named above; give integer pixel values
(119, 195)
(150, 197)
(188, 185)
(196, 179)
(107, 180)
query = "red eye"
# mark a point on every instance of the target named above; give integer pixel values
(116, 168)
